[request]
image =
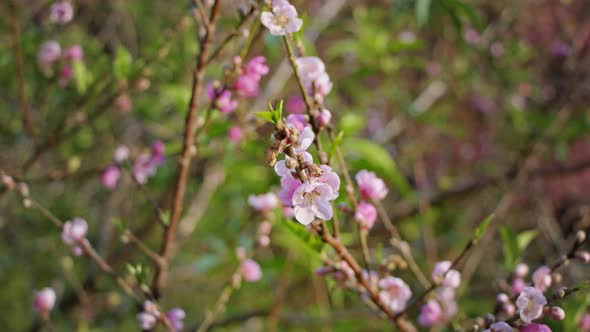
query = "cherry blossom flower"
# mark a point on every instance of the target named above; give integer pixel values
(521, 270)
(110, 176)
(296, 105)
(499, 327)
(263, 202)
(222, 99)
(61, 12)
(235, 134)
(256, 67)
(535, 328)
(584, 323)
(314, 76)
(365, 215)
(283, 18)
(49, 53)
(147, 321)
(370, 186)
(542, 278)
(452, 278)
(530, 304)
(430, 314)
(73, 232)
(518, 285)
(313, 200)
(44, 300)
(288, 186)
(250, 270)
(121, 154)
(298, 121)
(176, 318)
(74, 53)
(555, 313)
(395, 293)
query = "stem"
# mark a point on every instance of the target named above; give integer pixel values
(219, 304)
(144, 248)
(187, 152)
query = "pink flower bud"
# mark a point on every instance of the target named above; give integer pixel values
(74, 53)
(521, 270)
(263, 202)
(147, 321)
(65, 75)
(584, 323)
(264, 240)
(502, 298)
(452, 278)
(542, 278)
(176, 319)
(365, 215)
(265, 227)
(49, 53)
(23, 189)
(583, 256)
(250, 270)
(121, 154)
(110, 177)
(241, 253)
(235, 134)
(518, 285)
(555, 313)
(73, 232)
(430, 314)
(509, 309)
(123, 103)
(44, 300)
(370, 186)
(8, 182)
(323, 119)
(296, 105)
(61, 12)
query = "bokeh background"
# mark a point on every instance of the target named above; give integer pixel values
(447, 100)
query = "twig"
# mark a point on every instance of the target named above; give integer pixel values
(220, 304)
(187, 151)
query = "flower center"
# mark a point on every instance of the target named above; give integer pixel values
(281, 20)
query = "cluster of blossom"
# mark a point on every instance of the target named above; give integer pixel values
(370, 188)
(443, 305)
(282, 19)
(74, 233)
(145, 165)
(51, 53)
(264, 203)
(149, 317)
(307, 187)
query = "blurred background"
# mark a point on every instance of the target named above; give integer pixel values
(458, 105)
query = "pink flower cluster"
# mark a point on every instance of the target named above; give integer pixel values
(444, 306)
(250, 270)
(371, 188)
(144, 167)
(61, 12)
(313, 197)
(264, 202)
(51, 53)
(395, 293)
(148, 318)
(282, 19)
(314, 76)
(74, 233)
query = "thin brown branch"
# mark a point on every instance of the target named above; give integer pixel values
(187, 151)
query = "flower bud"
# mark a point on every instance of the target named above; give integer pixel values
(555, 313)
(521, 270)
(502, 298)
(250, 270)
(8, 182)
(583, 256)
(291, 163)
(323, 119)
(580, 236)
(44, 300)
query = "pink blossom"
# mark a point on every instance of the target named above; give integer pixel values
(452, 278)
(518, 285)
(44, 300)
(555, 313)
(330, 178)
(499, 327)
(521, 270)
(65, 75)
(542, 278)
(158, 150)
(430, 314)
(583, 256)
(288, 186)
(395, 293)
(143, 168)
(247, 86)
(370, 186)
(530, 304)
(497, 49)
(176, 318)
(264, 240)
(250, 270)
(282, 20)
(311, 200)
(74, 53)
(296, 105)
(73, 233)
(121, 154)
(235, 134)
(110, 176)
(147, 321)
(584, 323)
(263, 202)
(323, 119)
(446, 297)
(298, 121)
(49, 53)
(124, 103)
(314, 76)
(256, 67)
(221, 98)
(305, 140)
(365, 215)
(61, 12)
(535, 328)
(288, 211)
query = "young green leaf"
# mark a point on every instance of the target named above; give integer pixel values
(268, 116)
(481, 229)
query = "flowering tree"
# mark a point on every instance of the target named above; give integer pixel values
(226, 171)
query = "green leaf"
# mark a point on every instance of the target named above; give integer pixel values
(365, 154)
(336, 143)
(81, 76)
(510, 247)
(166, 217)
(525, 238)
(122, 64)
(268, 116)
(307, 238)
(278, 112)
(422, 11)
(481, 229)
